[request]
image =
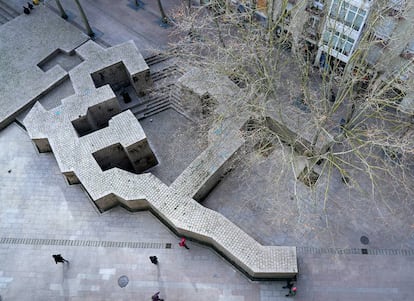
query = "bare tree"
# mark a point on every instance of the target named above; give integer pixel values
(164, 18)
(343, 122)
(62, 11)
(85, 19)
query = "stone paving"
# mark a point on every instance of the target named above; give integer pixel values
(140, 25)
(54, 130)
(86, 125)
(323, 276)
(21, 79)
(37, 203)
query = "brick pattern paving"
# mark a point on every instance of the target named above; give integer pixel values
(138, 192)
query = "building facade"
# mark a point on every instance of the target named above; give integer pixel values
(334, 32)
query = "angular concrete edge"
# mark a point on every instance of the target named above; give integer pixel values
(197, 180)
(22, 81)
(88, 122)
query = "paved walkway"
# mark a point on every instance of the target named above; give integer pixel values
(48, 216)
(38, 206)
(41, 215)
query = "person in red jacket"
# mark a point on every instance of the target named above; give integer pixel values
(182, 243)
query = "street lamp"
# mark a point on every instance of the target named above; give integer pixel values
(164, 18)
(62, 12)
(85, 20)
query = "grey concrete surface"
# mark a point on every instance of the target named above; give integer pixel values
(84, 159)
(37, 203)
(119, 21)
(170, 133)
(21, 80)
(264, 188)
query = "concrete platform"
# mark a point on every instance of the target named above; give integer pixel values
(25, 43)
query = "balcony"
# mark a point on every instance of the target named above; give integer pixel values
(315, 7)
(408, 52)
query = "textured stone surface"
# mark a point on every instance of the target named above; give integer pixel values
(109, 66)
(136, 192)
(21, 80)
(205, 171)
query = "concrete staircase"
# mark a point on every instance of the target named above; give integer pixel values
(165, 93)
(7, 13)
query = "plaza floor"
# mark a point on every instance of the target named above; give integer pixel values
(41, 215)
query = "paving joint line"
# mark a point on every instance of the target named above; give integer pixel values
(85, 243)
(355, 251)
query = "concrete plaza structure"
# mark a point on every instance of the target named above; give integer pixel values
(22, 81)
(41, 215)
(89, 137)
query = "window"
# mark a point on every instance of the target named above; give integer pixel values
(338, 41)
(315, 6)
(396, 8)
(410, 47)
(313, 22)
(350, 15)
(318, 4)
(384, 29)
(397, 5)
(408, 52)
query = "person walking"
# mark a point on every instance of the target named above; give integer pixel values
(289, 284)
(59, 258)
(154, 259)
(183, 244)
(292, 292)
(156, 297)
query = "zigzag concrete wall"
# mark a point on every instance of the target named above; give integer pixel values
(54, 130)
(22, 82)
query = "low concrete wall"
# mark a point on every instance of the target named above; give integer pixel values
(141, 191)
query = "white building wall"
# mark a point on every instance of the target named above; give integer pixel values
(343, 27)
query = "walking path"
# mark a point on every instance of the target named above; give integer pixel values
(41, 215)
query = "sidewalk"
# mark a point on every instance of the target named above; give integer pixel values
(43, 216)
(115, 22)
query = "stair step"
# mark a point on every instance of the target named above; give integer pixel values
(156, 59)
(161, 93)
(142, 108)
(3, 19)
(9, 10)
(153, 98)
(5, 16)
(156, 103)
(163, 107)
(156, 76)
(162, 89)
(157, 110)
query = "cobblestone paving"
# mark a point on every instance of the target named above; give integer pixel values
(37, 206)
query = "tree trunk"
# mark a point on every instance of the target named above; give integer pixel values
(62, 12)
(164, 18)
(85, 20)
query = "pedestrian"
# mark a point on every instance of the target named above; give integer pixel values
(182, 243)
(289, 284)
(154, 259)
(59, 258)
(156, 297)
(292, 292)
(26, 10)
